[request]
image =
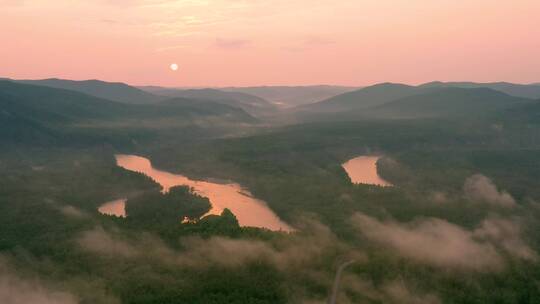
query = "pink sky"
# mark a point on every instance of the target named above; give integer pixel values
(258, 42)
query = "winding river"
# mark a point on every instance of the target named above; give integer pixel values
(248, 210)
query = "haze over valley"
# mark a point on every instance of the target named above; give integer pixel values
(269, 152)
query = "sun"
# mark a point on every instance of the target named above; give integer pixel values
(174, 67)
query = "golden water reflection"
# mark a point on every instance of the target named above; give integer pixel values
(363, 170)
(248, 210)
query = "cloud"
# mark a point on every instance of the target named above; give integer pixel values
(16, 290)
(442, 244)
(72, 212)
(305, 253)
(506, 234)
(481, 189)
(222, 251)
(295, 251)
(432, 241)
(101, 242)
(438, 197)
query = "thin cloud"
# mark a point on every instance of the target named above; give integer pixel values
(99, 241)
(479, 188)
(432, 241)
(439, 243)
(295, 251)
(73, 212)
(16, 290)
(506, 234)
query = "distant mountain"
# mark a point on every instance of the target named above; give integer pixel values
(30, 112)
(115, 91)
(35, 113)
(197, 109)
(47, 104)
(447, 102)
(290, 96)
(250, 103)
(398, 101)
(362, 99)
(523, 114)
(519, 90)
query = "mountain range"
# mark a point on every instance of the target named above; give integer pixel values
(392, 101)
(115, 91)
(250, 103)
(519, 90)
(290, 96)
(29, 112)
(57, 100)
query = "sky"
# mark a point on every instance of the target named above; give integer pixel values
(271, 42)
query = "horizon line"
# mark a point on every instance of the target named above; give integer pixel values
(267, 85)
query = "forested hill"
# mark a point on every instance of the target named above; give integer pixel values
(30, 112)
(448, 102)
(396, 101)
(519, 90)
(291, 96)
(364, 98)
(116, 91)
(250, 103)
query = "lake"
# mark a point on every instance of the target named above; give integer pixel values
(116, 208)
(363, 170)
(249, 210)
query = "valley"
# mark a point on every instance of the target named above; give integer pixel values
(269, 152)
(305, 195)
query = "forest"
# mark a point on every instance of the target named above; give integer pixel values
(460, 224)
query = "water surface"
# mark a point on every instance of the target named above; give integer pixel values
(363, 170)
(116, 207)
(248, 210)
